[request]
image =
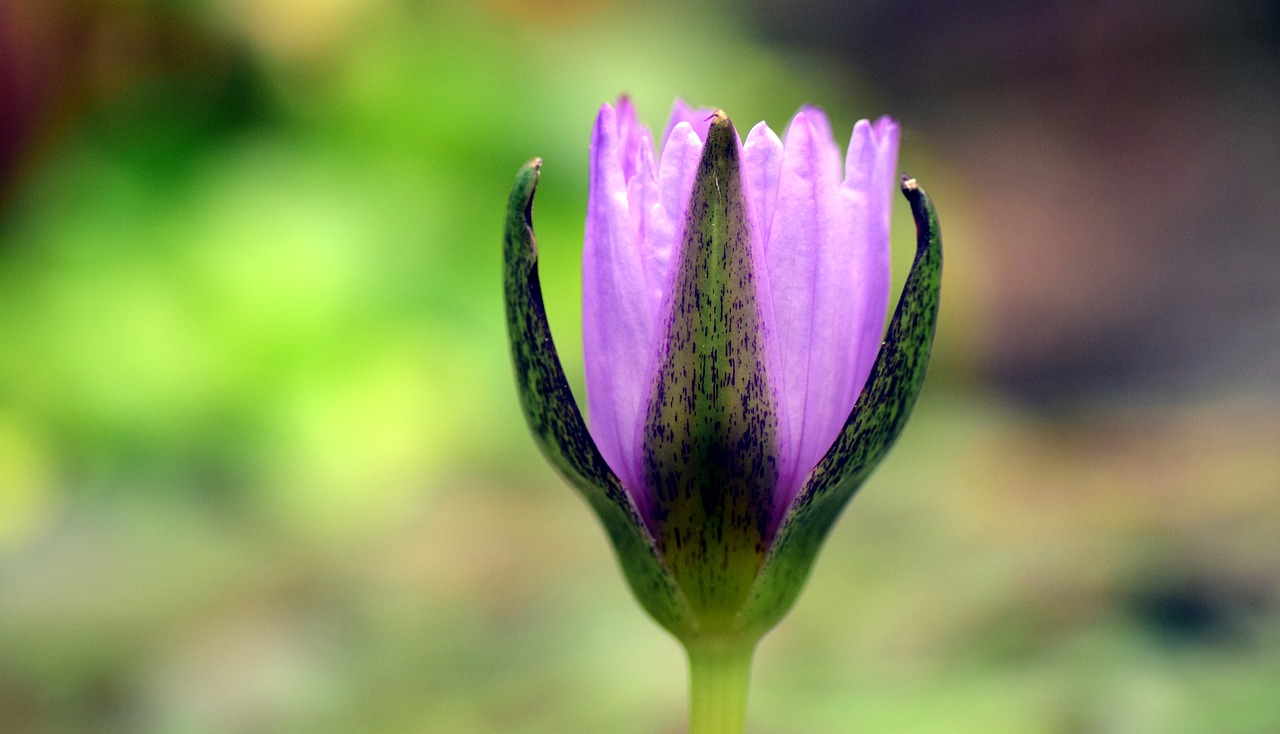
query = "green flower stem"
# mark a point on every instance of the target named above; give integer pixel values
(718, 676)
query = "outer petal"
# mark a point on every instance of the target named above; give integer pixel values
(866, 197)
(822, 127)
(699, 119)
(762, 164)
(676, 171)
(681, 158)
(811, 273)
(712, 431)
(648, 219)
(617, 316)
(558, 426)
(877, 419)
(630, 132)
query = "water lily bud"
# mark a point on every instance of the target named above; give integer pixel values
(740, 380)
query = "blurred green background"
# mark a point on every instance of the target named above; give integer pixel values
(261, 464)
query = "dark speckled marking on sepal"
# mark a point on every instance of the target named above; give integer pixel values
(711, 430)
(873, 425)
(556, 422)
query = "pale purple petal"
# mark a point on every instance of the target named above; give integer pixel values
(823, 136)
(812, 278)
(664, 228)
(762, 164)
(645, 202)
(823, 133)
(629, 133)
(699, 118)
(617, 318)
(867, 193)
(678, 166)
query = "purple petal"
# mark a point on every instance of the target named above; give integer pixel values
(867, 194)
(813, 274)
(664, 227)
(644, 200)
(823, 135)
(762, 164)
(617, 318)
(629, 133)
(699, 119)
(676, 170)
(822, 129)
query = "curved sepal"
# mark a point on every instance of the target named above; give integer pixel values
(556, 422)
(874, 424)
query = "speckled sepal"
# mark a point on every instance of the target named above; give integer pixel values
(556, 422)
(877, 419)
(710, 444)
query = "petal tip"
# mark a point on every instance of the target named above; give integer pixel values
(800, 124)
(814, 114)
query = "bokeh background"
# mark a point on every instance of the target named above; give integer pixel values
(261, 464)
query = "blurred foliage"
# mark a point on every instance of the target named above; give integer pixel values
(261, 467)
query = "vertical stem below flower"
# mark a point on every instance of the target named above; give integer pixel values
(718, 677)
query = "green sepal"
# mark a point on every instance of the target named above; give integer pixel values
(874, 424)
(710, 446)
(556, 422)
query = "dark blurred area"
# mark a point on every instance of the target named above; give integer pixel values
(1126, 155)
(261, 463)
(63, 60)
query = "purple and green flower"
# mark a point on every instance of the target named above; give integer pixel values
(741, 382)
